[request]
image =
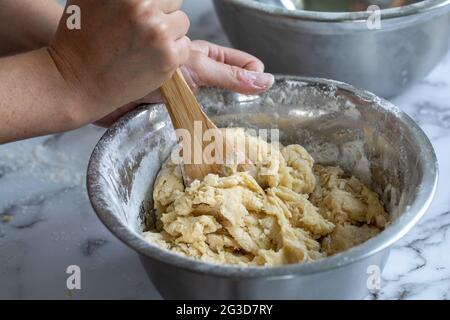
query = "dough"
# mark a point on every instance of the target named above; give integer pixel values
(287, 211)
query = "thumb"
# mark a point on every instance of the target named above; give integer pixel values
(205, 71)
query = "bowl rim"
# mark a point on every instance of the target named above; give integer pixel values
(374, 245)
(325, 16)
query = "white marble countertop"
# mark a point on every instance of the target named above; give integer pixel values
(47, 224)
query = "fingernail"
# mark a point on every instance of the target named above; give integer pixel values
(262, 80)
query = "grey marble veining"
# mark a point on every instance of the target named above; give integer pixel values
(47, 224)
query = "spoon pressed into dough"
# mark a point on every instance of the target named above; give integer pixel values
(185, 111)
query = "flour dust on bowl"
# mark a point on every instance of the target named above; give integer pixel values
(336, 123)
(339, 39)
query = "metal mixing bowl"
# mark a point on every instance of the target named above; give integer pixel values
(338, 124)
(335, 45)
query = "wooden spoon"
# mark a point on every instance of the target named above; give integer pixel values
(184, 111)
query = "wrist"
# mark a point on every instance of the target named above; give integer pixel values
(79, 102)
(35, 99)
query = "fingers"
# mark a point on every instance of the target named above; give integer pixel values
(189, 77)
(153, 97)
(178, 23)
(205, 71)
(169, 6)
(228, 56)
(166, 6)
(161, 25)
(108, 120)
(182, 47)
(166, 33)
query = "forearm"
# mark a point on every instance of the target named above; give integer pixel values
(34, 98)
(27, 24)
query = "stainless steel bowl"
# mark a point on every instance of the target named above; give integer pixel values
(335, 45)
(337, 123)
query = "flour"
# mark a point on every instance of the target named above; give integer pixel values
(47, 159)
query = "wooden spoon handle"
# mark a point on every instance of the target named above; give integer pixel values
(182, 104)
(184, 111)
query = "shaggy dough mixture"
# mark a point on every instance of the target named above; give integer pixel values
(287, 211)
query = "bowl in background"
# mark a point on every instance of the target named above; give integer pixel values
(339, 45)
(338, 124)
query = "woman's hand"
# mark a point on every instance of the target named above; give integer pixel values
(124, 50)
(211, 65)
